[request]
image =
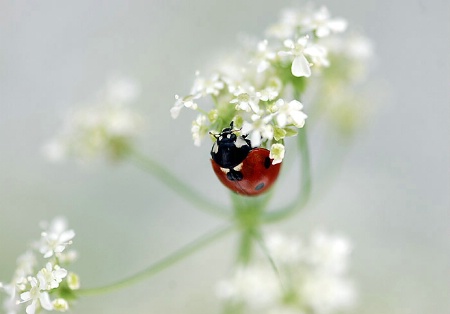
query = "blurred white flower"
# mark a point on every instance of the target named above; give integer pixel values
(322, 24)
(256, 285)
(326, 294)
(207, 86)
(60, 305)
(10, 304)
(263, 56)
(298, 285)
(121, 90)
(55, 239)
(105, 128)
(285, 250)
(329, 253)
(73, 281)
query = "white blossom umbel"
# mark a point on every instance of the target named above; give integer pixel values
(310, 277)
(44, 288)
(103, 128)
(259, 88)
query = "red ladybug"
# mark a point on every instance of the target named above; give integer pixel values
(241, 168)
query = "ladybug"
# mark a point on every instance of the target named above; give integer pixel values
(241, 168)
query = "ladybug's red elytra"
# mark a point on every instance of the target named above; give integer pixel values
(241, 168)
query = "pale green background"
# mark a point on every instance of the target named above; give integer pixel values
(391, 196)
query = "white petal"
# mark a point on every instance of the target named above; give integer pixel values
(246, 127)
(31, 309)
(175, 112)
(300, 67)
(322, 31)
(337, 25)
(281, 120)
(26, 296)
(299, 118)
(254, 106)
(295, 105)
(67, 236)
(255, 138)
(315, 51)
(45, 301)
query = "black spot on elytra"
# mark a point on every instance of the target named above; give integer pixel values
(267, 162)
(233, 175)
(259, 186)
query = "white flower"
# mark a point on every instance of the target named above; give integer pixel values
(283, 249)
(55, 238)
(327, 294)
(50, 277)
(290, 113)
(55, 150)
(106, 127)
(263, 56)
(210, 86)
(199, 129)
(259, 130)
(187, 101)
(60, 305)
(257, 285)
(10, 304)
(246, 100)
(299, 50)
(297, 286)
(121, 90)
(276, 153)
(73, 281)
(329, 253)
(37, 297)
(321, 23)
(25, 265)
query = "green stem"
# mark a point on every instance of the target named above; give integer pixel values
(245, 247)
(305, 187)
(183, 189)
(162, 264)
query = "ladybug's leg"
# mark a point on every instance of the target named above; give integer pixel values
(234, 175)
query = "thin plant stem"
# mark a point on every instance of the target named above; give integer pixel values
(262, 245)
(182, 188)
(164, 263)
(305, 186)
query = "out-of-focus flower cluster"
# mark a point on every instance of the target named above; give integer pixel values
(105, 128)
(307, 277)
(256, 88)
(41, 280)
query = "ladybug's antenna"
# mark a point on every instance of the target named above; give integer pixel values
(216, 135)
(225, 131)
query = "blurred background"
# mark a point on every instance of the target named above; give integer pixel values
(391, 196)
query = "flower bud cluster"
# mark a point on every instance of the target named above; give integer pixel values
(49, 287)
(259, 89)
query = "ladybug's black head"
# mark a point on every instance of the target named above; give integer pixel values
(230, 150)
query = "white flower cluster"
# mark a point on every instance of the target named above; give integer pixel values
(310, 278)
(105, 128)
(256, 89)
(34, 288)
